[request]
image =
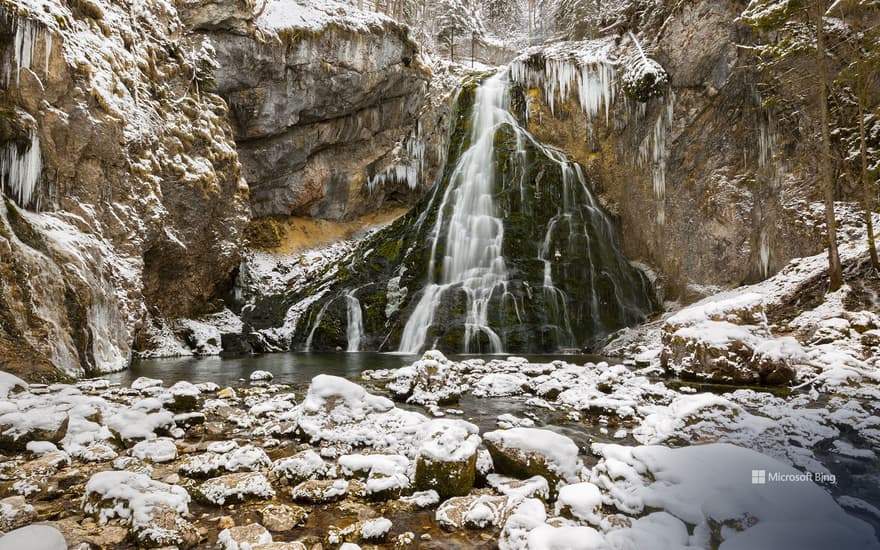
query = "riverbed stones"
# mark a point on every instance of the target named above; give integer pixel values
(244, 537)
(475, 511)
(320, 491)
(282, 517)
(234, 488)
(527, 452)
(185, 397)
(163, 526)
(15, 512)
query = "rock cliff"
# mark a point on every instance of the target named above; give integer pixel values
(711, 173)
(124, 203)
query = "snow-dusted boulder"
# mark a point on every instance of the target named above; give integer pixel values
(282, 517)
(238, 459)
(525, 452)
(33, 537)
(300, 467)
(244, 537)
(234, 488)
(447, 457)
(320, 491)
(432, 380)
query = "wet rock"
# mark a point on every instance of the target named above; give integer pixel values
(242, 537)
(475, 511)
(234, 488)
(15, 512)
(185, 397)
(188, 420)
(320, 491)
(281, 517)
(447, 458)
(163, 526)
(283, 546)
(17, 429)
(527, 452)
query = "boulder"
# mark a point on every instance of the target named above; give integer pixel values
(282, 517)
(447, 458)
(234, 488)
(527, 452)
(244, 537)
(164, 526)
(320, 491)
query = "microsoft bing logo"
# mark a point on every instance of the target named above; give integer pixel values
(759, 477)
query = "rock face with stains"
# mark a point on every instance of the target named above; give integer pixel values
(713, 178)
(315, 102)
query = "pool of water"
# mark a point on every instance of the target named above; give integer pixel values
(294, 368)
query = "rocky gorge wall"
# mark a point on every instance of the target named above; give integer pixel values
(124, 202)
(320, 109)
(711, 185)
(122, 128)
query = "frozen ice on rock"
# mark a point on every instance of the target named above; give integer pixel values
(9, 383)
(300, 467)
(337, 410)
(533, 487)
(447, 457)
(375, 529)
(244, 537)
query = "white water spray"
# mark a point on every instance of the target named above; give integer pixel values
(474, 231)
(355, 331)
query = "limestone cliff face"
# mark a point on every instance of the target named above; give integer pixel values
(316, 109)
(123, 199)
(710, 186)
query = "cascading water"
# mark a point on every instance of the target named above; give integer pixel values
(474, 231)
(355, 331)
(509, 253)
(470, 232)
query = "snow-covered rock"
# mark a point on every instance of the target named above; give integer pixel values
(524, 452)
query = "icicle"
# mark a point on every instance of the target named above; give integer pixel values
(48, 37)
(654, 152)
(22, 53)
(20, 173)
(410, 165)
(595, 81)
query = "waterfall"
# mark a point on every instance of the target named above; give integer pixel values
(585, 287)
(355, 332)
(317, 324)
(472, 258)
(20, 172)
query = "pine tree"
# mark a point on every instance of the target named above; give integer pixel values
(457, 19)
(861, 75)
(792, 21)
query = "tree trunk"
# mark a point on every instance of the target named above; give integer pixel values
(835, 272)
(452, 46)
(867, 198)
